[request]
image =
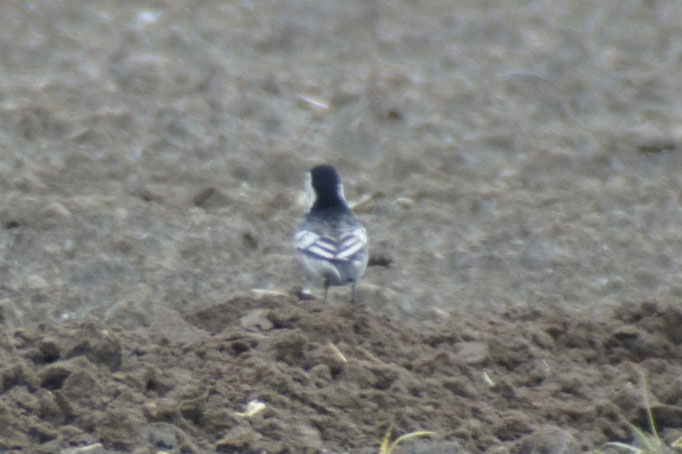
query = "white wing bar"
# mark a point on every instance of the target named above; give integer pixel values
(330, 248)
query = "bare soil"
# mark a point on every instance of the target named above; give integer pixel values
(512, 381)
(524, 168)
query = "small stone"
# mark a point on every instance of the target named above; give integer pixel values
(48, 409)
(626, 333)
(46, 352)
(12, 376)
(193, 409)
(56, 210)
(149, 410)
(460, 387)
(9, 315)
(321, 372)
(548, 439)
(95, 448)
(542, 339)
(79, 387)
(164, 409)
(42, 432)
(498, 450)
(64, 405)
(238, 438)
(404, 202)
(672, 320)
(256, 320)
(164, 437)
(77, 437)
(35, 282)
(53, 377)
(472, 353)
(310, 437)
(99, 346)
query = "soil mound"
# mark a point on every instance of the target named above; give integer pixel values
(335, 377)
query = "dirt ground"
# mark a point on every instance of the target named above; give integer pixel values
(521, 168)
(335, 378)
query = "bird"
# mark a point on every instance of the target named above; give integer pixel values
(330, 239)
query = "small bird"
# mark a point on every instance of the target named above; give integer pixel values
(330, 238)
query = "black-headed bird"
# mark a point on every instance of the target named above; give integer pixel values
(330, 238)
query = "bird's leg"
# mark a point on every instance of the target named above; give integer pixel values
(326, 289)
(352, 293)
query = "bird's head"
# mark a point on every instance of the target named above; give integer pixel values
(324, 186)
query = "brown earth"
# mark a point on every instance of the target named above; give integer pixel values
(525, 168)
(554, 383)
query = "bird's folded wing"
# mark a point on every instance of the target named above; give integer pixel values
(351, 243)
(330, 248)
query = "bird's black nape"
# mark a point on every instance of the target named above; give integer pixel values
(325, 179)
(326, 183)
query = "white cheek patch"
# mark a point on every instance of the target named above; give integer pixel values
(339, 190)
(309, 190)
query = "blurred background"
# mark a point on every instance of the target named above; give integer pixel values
(522, 153)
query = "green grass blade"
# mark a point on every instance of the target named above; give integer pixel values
(387, 447)
(651, 444)
(647, 406)
(409, 436)
(677, 444)
(384, 449)
(627, 447)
